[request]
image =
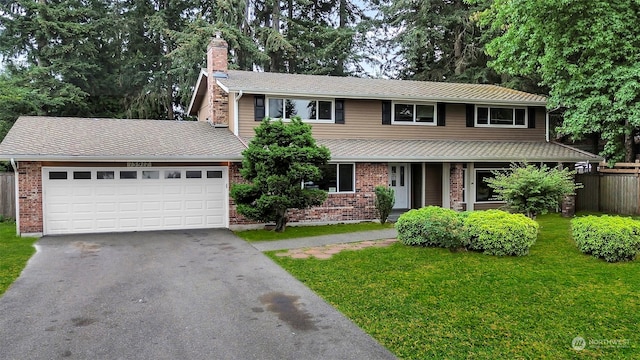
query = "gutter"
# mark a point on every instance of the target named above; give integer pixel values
(420, 159)
(97, 158)
(17, 192)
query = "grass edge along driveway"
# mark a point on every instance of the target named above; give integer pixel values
(431, 303)
(14, 253)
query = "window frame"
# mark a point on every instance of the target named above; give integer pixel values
(353, 178)
(317, 100)
(476, 182)
(415, 105)
(513, 119)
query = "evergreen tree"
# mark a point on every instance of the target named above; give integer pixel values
(278, 160)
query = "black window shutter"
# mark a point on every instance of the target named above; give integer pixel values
(386, 112)
(339, 111)
(258, 108)
(532, 117)
(441, 113)
(471, 114)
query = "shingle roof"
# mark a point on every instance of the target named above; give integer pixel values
(37, 138)
(352, 87)
(452, 150)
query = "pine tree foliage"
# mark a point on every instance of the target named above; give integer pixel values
(278, 160)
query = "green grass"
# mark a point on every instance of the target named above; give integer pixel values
(430, 303)
(14, 254)
(292, 232)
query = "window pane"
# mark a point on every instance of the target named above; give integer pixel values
(194, 174)
(58, 175)
(346, 177)
(172, 174)
(424, 113)
(520, 116)
(306, 109)
(275, 108)
(483, 191)
(501, 116)
(216, 174)
(151, 174)
(105, 175)
(324, 112)
(328, 182)
(403, 112)
(483, 115)
(82, 175)
(128, 174)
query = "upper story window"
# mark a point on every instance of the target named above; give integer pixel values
(406, 113)
(307, 109)
(500, 116)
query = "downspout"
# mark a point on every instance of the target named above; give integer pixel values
(15, 181)
(547, 125)
(236, 116)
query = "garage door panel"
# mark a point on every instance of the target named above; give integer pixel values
(145, 203)
(194, 205)
(106, 208)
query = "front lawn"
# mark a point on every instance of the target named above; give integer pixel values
(14, 253)
(292, 232)
(431, 303)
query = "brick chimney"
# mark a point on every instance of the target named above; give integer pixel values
(217, 69)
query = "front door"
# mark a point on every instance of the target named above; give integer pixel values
(398, 182)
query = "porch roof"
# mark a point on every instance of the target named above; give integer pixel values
(381, 150)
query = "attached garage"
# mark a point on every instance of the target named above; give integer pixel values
(109, 199)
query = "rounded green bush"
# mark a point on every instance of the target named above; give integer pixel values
(430, 226)
(613, 238)
(496, 232)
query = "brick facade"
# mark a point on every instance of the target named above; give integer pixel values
(456, 187)
(30, 197)
(338, 207)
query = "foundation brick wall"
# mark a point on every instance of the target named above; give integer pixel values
(338, 207)
(30, 196)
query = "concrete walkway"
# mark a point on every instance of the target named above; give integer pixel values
(325, 240)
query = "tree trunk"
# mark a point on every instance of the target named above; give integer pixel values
(629, 156)
(275, 25)
(281, 220)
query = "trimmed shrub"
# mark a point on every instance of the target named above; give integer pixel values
(430, 226)
(496, 232)
(613, 238)
(385, 199)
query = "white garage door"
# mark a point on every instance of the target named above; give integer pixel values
(91, 200)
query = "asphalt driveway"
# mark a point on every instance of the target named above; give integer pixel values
(202, 294)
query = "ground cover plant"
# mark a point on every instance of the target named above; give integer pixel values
(307, 231)
(431, 303)
(14, 253)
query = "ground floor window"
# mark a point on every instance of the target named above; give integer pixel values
(483, 192)
(335, 178)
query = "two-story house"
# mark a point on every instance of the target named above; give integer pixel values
(433, 143)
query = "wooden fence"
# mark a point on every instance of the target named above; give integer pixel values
(612, 190)
(7, 195)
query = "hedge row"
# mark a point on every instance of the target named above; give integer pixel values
(493, 232)
(612, 238)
